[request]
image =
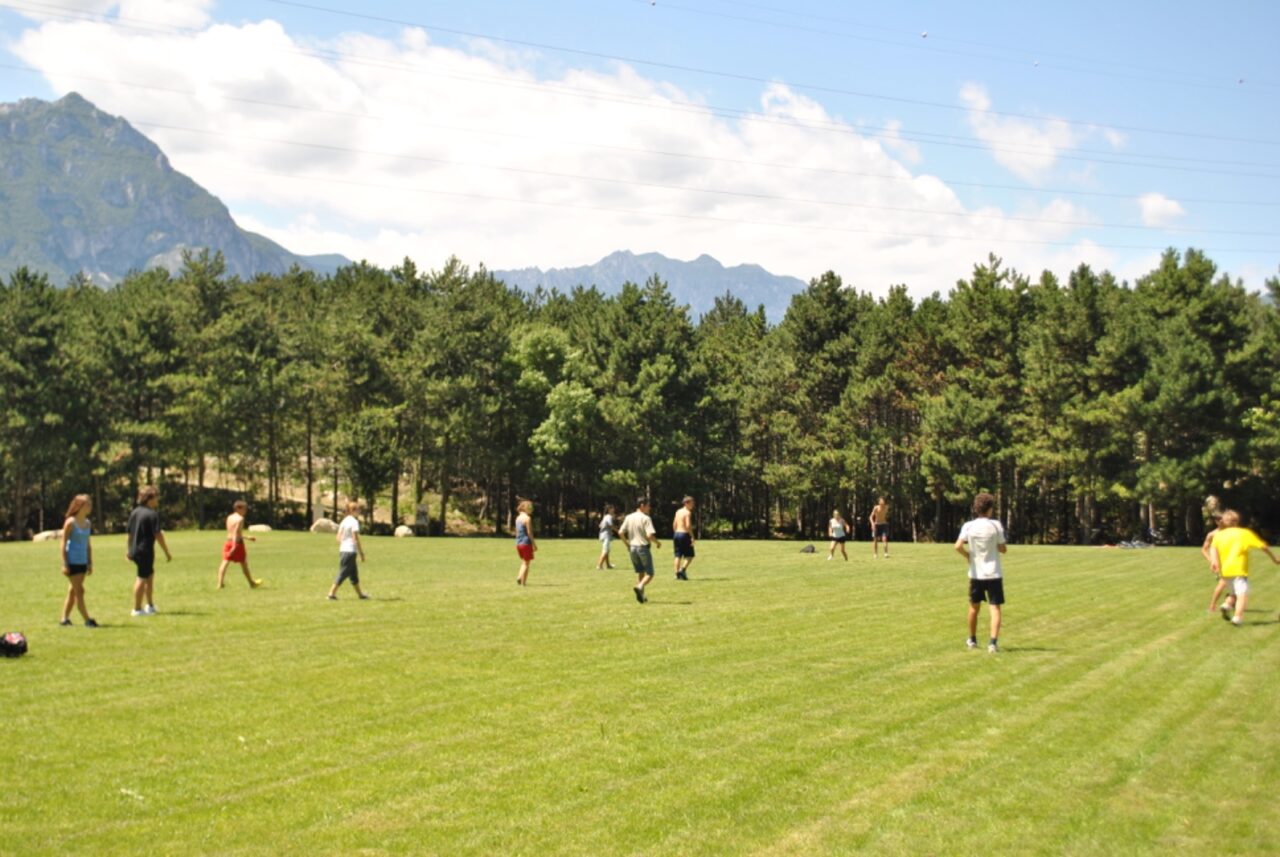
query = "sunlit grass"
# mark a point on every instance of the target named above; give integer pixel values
(775, 704)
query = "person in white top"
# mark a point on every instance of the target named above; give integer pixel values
(637, 529)
(982, 542)
(608, 531)
(838, 532)
(348, 547)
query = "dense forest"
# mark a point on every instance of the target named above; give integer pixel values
(1095, 410)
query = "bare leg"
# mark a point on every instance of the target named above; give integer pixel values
(843, 552)
(70, 600)
(254, 584)
(995, 621)
(139, 589)
(523, 574)
(78, 591)
(973, 620)
(1241, 601)
(150, 587)
(1217, 590)
(222, 572)
(831, 551)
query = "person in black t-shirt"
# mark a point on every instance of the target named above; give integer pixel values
(144, 535)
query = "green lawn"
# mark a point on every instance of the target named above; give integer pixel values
(775, 704)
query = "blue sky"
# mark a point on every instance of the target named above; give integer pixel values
(917, 155)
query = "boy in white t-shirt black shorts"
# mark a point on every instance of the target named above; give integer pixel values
(349, 546)
(981, 542)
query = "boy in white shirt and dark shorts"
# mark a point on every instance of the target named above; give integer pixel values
(981, 542)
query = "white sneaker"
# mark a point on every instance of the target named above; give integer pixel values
(150, 609)
(1237, 621)
(993, 648)
(1227, 611)
(971, 644)
(138, 613)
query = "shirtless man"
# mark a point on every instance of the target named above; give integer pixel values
(233, 550)
(682, 540)
(879, 520)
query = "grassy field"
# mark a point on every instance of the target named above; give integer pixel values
(775, 704)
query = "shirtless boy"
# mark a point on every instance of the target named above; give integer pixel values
(682, 540)
(233, 550)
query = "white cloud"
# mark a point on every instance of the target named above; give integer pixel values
(1027, 148)
(417, 149)
(1159, 210)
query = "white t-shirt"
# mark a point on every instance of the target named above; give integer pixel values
(984, 535)
(637, 527)
(347, 530)
(837, 528)
(606, 527)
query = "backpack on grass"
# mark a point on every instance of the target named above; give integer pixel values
(13, 645)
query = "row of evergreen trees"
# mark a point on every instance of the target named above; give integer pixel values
(1094, 410)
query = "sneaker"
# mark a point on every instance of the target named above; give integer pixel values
(829, 559)
(1237, 621)
(365, 597)
(256, 583)
(971, 644)
(639, 594)
(993, 648)
(150, 609)
(65, 623)
(138, 613)
(1226, 611)
(88, 623)
(332, 597)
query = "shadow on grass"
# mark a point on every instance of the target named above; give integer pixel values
(181, 613)
(1015, 649)
(670, 603)
(708, 580)
(1260, 624)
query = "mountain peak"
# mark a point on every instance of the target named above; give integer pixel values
(696, 283)
(86, 192)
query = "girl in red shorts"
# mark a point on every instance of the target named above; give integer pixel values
(525, 544)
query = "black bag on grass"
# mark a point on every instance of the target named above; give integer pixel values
(13, 645)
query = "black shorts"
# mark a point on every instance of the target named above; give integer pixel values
(146, 564)
(75, 568)
(348, 569)
(682, 545)
(881, 532)
(839, 539)
(991, 591)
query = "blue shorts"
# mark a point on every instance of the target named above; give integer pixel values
(642, 560)
(682, 545)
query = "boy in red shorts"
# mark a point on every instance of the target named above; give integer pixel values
(233, 550)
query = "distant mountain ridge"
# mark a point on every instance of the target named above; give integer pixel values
(83, 191)
(697, 283)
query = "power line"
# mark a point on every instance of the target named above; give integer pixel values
(725, 220)
(760, 80)
(637, 150)
(916, 41)
(450, 162)
(863, 129)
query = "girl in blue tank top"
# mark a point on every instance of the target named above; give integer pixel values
(525, 545)
(77, 557)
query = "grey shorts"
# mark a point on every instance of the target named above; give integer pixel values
(348, 569)
(642, 560)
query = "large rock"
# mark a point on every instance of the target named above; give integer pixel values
(47, 536)
(259, 528)
(403, 532)
(324, 525)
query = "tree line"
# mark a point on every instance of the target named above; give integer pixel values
(1093, 409)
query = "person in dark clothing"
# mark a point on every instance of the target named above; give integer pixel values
(144, 535)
